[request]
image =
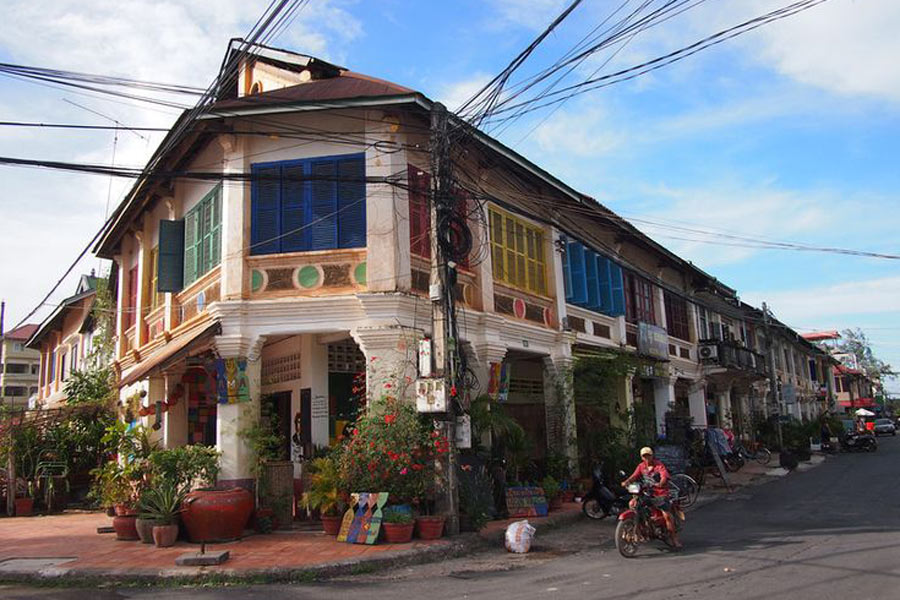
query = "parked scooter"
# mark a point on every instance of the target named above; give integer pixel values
(858, 442)
(601, 501)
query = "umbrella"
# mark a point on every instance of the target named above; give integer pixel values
(864, 413)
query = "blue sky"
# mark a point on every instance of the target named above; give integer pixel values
(788, 133)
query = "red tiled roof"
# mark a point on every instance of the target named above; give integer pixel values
(22, 333)
(845, 370)
(818, 336)
(347, 85)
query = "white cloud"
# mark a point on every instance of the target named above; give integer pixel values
(48, 217)
(532, 14)
(589, 132)
(454, 95)
(831, 302)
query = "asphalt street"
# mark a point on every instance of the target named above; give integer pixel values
(832, 532)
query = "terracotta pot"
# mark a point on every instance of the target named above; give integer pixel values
(24, 507)
(165, 535)
(123, 510)
(430, 528)
(125, 527)
(331, 525)
(216, 515)
(144, 529)
(398, 533)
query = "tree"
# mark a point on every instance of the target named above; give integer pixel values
(856, 343)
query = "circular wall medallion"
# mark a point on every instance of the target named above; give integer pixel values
(548, 317)
(519, 308)
(308, 277)
(256, 280)
(359, 273)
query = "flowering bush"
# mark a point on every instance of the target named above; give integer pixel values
(392, 449)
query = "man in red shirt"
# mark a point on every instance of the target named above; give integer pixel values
(654, 473)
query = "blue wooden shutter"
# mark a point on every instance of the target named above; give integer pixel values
(577, 272)
(265, 217)
(323, 205)
(567, 274)
(605, 284)
(617, 287)
(351, 202)
(294, 232)
(593, 284)
(170, 259)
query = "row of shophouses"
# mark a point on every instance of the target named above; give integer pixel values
(280, 287)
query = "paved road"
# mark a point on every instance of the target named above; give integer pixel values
(832, 532)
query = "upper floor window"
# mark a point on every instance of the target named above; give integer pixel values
(517, 253)
(15, 391)
(154, 298)
(592, 280)
(703, 324)
(131, 298)
(677, 317)
(202, 236)
(51, 375)
(18, 346)
(639, 299)
(310, 204)
(16, 368)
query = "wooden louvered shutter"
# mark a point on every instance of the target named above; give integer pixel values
(576, 268)
(604, 284)
(617, 290)
(351, 202)
(132, 297)
(265, 221)
(419, 212)
(323, 204)
(294, 233)
(191, 244)
(170, 269)
(215, 233)
(203, 237)
(567, 274)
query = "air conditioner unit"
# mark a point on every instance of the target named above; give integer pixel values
(709, 351)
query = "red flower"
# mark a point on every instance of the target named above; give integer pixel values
(417, 467)
(389, 419)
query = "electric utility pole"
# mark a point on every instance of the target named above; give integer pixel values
(773, 383)
(441, 293)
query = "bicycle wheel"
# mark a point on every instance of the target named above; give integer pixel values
(763, 455)
(687, 489)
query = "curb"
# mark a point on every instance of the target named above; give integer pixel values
(461, 545)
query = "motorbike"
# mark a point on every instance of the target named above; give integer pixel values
(601, 501)
(858, 442)
(645, 521)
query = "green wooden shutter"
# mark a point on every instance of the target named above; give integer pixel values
(215, 236)
(170, 258)
(191, 243)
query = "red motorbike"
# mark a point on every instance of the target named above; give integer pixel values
(644, 521)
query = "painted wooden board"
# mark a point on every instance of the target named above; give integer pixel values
(362, 521)
(526, 502)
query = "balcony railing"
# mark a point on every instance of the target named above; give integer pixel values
(731, 355)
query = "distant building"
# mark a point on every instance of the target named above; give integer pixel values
(20, 367)
(64, 341)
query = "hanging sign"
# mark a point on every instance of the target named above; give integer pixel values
(232, 385)
(431, 396)
(425, 358)
(464, 431)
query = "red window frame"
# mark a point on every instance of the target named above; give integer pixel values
(639, 296)
(677, 324)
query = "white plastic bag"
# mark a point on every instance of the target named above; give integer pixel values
(519, 536)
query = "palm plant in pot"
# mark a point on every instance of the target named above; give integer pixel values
(398, 526)
(161, 504)
(323, 494)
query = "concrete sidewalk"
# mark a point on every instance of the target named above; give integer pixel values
(68, 547)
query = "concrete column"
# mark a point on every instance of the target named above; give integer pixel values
(236, 462)
(663, 399)
(314, 375)
(624, 402)
(121, 291)
(235, 219)
(485, 269)
(697, 403)
(555, 280)
(487, 353)
(391, 360)
(387, 207)
(559, 405)
(175, 418)
(156, 392)
(143, 254)
(723, 400)
(660, 306)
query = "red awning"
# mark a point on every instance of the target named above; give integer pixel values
(858, 403)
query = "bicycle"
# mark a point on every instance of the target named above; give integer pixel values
(761, 454)
(684, 489)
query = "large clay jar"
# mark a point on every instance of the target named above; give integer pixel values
(145, 529)
(165, 535)
(216, 515)
(124, 525)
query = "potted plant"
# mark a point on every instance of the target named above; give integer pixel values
(116, 484)
(274, 473)
(430, 527)
(551, 492)
(25, 504)
(323, 495)
(397, 526)
(161, 505)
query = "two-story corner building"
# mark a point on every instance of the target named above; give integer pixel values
(19, 367)
(64, 341)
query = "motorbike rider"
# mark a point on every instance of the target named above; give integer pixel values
(654, 473)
